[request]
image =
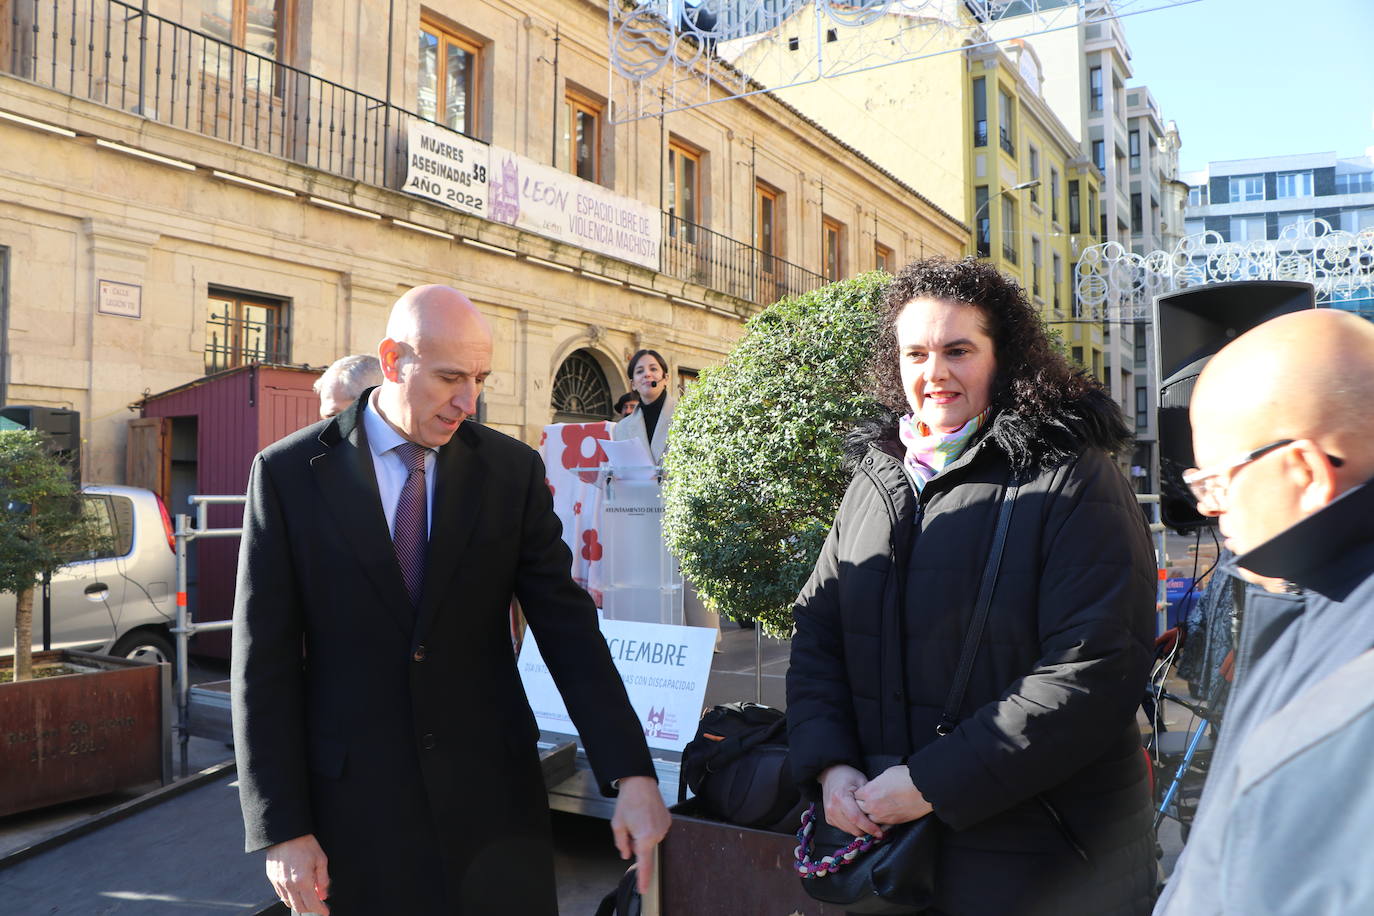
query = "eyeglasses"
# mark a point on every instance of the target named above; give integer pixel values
(1209, 485)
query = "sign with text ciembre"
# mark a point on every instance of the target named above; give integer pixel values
(664, 669)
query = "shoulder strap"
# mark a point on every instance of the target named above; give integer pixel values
(950, 717)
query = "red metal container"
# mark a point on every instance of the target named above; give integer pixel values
(200, 438)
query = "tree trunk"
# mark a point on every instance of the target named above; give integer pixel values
(23, 635)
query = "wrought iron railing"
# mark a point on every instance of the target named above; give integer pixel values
(118, 54)
(698, 255)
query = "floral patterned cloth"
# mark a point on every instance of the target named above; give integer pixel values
(928, 451)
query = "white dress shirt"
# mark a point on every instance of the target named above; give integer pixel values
(390, 468)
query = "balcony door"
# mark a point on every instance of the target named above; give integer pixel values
(767, 240)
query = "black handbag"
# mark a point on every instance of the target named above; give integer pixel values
(895, 876)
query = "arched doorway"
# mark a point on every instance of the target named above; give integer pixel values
(581, 393)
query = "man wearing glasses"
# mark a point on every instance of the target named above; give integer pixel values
(1283, 432)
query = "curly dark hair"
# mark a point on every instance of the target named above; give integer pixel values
(1032, 377)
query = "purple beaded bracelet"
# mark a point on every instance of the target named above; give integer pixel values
(818, 868)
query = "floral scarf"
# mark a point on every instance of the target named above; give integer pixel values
(929, 451)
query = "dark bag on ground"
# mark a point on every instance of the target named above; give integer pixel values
(736, 766)
(625, 899)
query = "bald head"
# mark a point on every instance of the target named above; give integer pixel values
(434, 312)
(1307, 376)
(435, 358)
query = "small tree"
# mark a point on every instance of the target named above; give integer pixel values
(43, 529)
(755, 464)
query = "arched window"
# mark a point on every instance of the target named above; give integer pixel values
(580, 391)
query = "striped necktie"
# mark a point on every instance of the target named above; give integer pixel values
(410, 530)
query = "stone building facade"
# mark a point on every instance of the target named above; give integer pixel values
(205, 186)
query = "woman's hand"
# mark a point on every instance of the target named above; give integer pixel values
(838, 785)
(891, 798)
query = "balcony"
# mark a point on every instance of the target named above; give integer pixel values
(696, 254)
(115, 54)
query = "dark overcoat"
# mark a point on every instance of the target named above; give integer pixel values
(401, 738)
(1048, 730)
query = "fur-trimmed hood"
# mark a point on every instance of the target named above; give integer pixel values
(1093, 420)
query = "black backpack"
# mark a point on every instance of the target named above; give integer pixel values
(624, 900)
(736, 766)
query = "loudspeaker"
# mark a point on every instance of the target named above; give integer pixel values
(1191, 325)
(62, 426)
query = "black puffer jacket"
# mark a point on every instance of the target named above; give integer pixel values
(1049, 717)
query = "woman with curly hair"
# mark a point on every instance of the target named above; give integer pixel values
(1040, 784)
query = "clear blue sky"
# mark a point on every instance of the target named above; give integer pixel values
(1246, 78)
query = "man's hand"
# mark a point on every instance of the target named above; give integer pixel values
(838, 785)
(640, 822)
(299, 874)
(892, 798)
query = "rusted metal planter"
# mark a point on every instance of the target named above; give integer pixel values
(718, 868)
(77, 735)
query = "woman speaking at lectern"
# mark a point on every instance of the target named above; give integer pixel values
(648, 374)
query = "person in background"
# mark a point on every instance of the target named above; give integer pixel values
(648, 374)
(627, 404)
(1281, 422)
(345, 380)
(650, 422)
(1041, 780)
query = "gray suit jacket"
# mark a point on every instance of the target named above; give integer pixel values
(633, 427)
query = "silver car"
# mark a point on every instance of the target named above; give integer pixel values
(119, 604)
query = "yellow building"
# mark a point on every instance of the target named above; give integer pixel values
(1035, 198)
(968, 123)
(198, 189)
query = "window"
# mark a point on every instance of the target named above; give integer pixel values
(448, 81)
(984, 220)
(1093, 215)
(980, 112)
(1077, 354)
(1294, 184)
(1137, 213)
(584, 137)
(1355, 183)
(1054, 194)
(1075, 209)
(1197, 196)
(1247, 187)
(766, 201)
(1008, 228)
(1293, 219)
(686, 378)
(1005, 122)
(1142, 408)
(882, 257)
(1095, 89)
(1100, 154)
(1194, 226)
(832, 241)
(1120, 169)
(1058, 279)
(1034, 163)
(243, 328)
(1139, 346)
(1134, 141)
(1357, 220)
(580, 392)
(684, 176)
(1247, 228)
(256, 25)
(1035, 266)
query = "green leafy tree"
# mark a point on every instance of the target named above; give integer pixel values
(42, 528)
(755, 464)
